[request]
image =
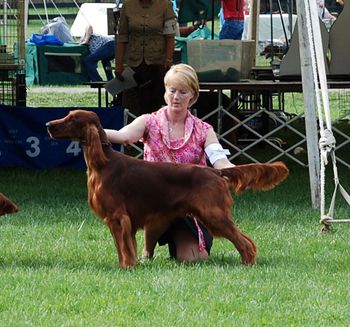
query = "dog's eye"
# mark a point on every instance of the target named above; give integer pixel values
(72, 119)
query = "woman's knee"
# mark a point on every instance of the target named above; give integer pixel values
(187, 247)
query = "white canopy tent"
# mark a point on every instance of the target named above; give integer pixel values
(94, 14)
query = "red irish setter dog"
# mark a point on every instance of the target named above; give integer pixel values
(6, 205)
(129, 194)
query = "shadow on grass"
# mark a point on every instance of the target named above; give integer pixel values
(158, 263)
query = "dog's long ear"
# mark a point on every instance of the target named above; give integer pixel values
(6, 205)
(95, 156)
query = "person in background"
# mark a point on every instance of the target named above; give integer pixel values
(246, 9)
(232, 19)
(221, 18)
(146, 34)
(173, 134)
(323, 12)
(102, 48)
(185, 30)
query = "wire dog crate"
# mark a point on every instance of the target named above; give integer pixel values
(12, 53)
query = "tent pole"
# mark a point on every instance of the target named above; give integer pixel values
(5, 21)
(25, 17)
(212, 19)
(271, 30)
(21, 31)
(282, 22)
(253, 29)
(309, 104)
(290, 18)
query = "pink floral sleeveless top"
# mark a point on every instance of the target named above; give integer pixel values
(159, 147)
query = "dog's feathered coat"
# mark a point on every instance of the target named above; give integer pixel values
(6, 205)
(130, 194)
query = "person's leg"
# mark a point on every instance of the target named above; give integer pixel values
(105, 52)
(221, 18)
(152, 92)
(158, 73)
(132, 97)
(186, 244)
(107, 67)
(90, 62)
(183, 241)
(106, 57)
(232, 29)
(148, 96)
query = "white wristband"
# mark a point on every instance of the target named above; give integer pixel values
(215, 151)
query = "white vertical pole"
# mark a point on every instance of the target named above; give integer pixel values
(310, 105)
(5, 36)
(26, 12)
(21, 31)
(253, 27)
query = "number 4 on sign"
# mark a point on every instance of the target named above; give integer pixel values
(74, 148)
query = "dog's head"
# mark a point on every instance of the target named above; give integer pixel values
(6, 205)
(74, 126)
(83, 126)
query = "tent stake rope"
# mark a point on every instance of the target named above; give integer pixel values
(37, 12)
(327, 140)
(53, 3)
(46, 11)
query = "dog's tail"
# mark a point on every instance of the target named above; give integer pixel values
(6, 205)
(256, 177)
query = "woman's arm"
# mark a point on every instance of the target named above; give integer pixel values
(170, 45)
(169, 31)
(87, 35)
(223, 162)
(122, 39)
(119, 60)
(130, 133)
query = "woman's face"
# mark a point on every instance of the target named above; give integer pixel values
(178, 97)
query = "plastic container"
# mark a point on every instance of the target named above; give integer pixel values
(221, 60)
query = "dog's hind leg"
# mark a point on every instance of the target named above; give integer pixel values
(243, 243)
(125, 241)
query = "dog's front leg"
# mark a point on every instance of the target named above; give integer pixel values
(124, 239)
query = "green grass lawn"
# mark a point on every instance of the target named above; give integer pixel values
(62, 97)
(58, 264)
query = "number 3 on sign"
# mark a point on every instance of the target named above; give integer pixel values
(34, 147)
(74, 148)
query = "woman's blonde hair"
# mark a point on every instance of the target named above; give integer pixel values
(184, 75)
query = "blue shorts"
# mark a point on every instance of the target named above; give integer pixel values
(232, 29)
